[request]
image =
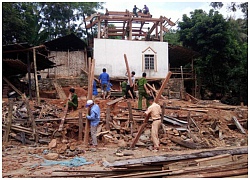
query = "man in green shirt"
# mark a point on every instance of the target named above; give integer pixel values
(73, 102)
(124, 86)
(143, 90)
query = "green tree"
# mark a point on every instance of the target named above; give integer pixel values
(222, 52)
(172, 37)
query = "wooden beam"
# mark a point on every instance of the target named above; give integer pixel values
(36, 80)
(131, 120)
(236, 122)
(22, 50)
(183, 143)
(108, 118)
(90, 93)
(145, 122)
(9, 121)
(114, 101)
(14, 88)
(80, 127)
(128, 71)
(177, 157)
(64, 116)
(163, 86)
(155, 90)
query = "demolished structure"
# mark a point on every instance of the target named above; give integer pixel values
(197, 137)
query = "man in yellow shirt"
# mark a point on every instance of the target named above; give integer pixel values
(155, 111)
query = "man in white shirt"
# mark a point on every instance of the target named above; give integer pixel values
(130, 87)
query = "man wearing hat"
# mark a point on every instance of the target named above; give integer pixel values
(154, 110)
(94, 118)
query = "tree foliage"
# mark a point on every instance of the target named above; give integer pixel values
(40, 21)
(222, 44)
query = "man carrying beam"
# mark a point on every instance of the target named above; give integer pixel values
(154, 110)
(130, 87)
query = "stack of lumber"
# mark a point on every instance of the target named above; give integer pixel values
(211, 163)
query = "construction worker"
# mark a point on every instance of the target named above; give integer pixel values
(124, 87)
(108, 90)
(94, 118)
(145, 10)
(72, 100)
(95, 92)
(130, 87)
(134, 10)
(154, 110)
(104, 80)
(143, 90)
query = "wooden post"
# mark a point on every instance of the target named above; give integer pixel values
(90, 93)
(99, 28)
(9, 121)
(163, 111)
(107, 118)
(163, 86)
(131, 120)
(32, 121)
(80, 126)
(29, 76)
(140, 131)
(161, 30)
(128, 71)
(182, 85)
(35, 70)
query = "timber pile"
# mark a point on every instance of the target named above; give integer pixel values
(214, 163)
(184, 127)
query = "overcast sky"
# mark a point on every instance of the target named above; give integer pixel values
(173, 10)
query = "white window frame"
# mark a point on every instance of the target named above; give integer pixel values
(149, 52)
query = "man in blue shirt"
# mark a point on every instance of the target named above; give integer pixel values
(104, 80)
(109, 90)
(95, 92)
(94, 118)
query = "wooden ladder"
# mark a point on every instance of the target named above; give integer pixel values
(59, 90)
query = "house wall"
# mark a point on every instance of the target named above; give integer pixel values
(109, 53)
(69, 64)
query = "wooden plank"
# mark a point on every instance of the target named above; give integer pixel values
(177, 157)
(36, 80)
(9, 120)
(80, 126)
(140, 131)
(108, 118)
(236, 122)
(59, 90)
(163, 86)
(220, 159)
(183, 143)
(114, 101)
(64, 116)
(128, 70)
(131, 120)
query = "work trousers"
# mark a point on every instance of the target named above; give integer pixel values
(131, 89)
(154, 133)
(93, 130)
(141, 95)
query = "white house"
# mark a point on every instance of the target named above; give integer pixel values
(143, 56)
